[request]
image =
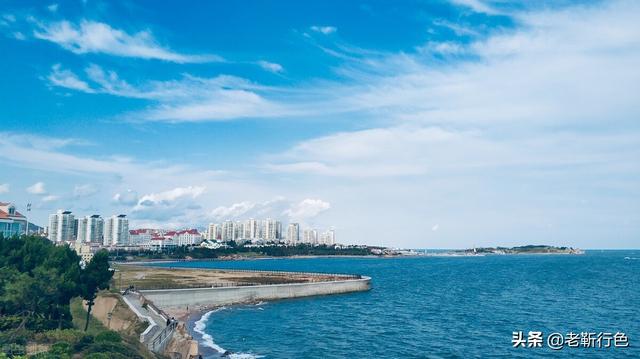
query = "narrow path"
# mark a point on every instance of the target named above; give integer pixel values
(157, 322)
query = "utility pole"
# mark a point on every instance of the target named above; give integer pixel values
(26, 230)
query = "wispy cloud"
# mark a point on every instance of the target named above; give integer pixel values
(189, 99)
(306, 209)
(479, 6)
(127, 198)
(326, 30)
(84, 190)
(37, 188)
(162, 204)
(278, 208)
(169, 204)
(97, 37)
(7, 19)
(4, 188)
(39, 142)
(271, 66)
(67, 79)
(50, 198)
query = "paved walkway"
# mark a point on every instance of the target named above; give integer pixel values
(157, 322)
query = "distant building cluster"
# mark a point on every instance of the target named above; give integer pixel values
(90, 233)
(159, 239)
(64, 227)
(268, 230)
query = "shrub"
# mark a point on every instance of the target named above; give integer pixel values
(84, 342)
(61, 348)
(97, 356)
(10, 322)
(70, 336)
(115, 350)
(15, 336)
(108, 336)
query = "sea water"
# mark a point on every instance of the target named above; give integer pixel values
(436, 307)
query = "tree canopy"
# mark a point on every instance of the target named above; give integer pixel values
(38, 279)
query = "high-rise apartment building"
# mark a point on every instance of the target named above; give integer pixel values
(293, 233)
(81, 229)
(238, 230)
(328, 237)
(116, 230)
(310, 236)
(228, 232)
(94, 229)
(251, 229)
(272, 229)
(213, 232)
(61, 226)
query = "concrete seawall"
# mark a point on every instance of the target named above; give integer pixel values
(192, 297)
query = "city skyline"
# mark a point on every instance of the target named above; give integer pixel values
(455, 123)
(65, 226)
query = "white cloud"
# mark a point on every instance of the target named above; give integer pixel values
(278, 208)
(52, 7)
(84, 190)
(172, 204)
(67, 79)
(387, 152)
(273, 208)
(444, 48)
(271, 66)
(9, 18)
(50, 198)
(4, 188)
(478, 6)
(235, 211)
(167, 197)
(435, 227)
(535, 121)
(189, 99)
(539, 122)
(10, 139)
(19, 36)
(221, 105)
(128, 198)
(326, 30)
(37, 188)
(307, 209)
(96, 37)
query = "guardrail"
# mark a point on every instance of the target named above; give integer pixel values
(161, 340)
(195, 285)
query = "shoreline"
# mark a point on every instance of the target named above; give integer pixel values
(147, 261)
(422, 255)
(192, 319)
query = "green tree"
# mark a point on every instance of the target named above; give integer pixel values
(95, 276)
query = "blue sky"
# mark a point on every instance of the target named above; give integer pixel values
(405, 123)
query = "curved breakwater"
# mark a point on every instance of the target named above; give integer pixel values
(208, 297)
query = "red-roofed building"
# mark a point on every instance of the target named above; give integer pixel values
(188, 237)
(12, 222)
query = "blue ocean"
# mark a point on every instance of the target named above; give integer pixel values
(437, 307)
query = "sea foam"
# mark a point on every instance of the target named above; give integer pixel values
(207, 340)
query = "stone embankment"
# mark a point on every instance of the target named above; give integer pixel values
(168, 336)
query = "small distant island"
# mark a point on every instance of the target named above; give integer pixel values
(528, 249)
